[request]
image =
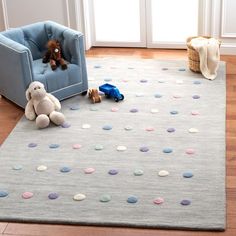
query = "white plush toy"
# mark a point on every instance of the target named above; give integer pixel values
(42, 106)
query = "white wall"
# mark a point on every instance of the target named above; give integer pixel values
(15, 13)
(220, 19)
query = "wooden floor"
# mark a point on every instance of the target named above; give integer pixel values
(10, 114)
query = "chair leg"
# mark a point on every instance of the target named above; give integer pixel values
(84, 93)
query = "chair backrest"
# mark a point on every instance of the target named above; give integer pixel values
(32, 36)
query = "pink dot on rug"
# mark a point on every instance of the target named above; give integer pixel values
(149, 129)
(89, 170)
(27, 195)
(189, 151)
(158, 201)
(195, 113)
(114, 109)
(77, 146)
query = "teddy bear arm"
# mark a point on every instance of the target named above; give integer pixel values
(46, 57)
(29, 111)
(55, 101)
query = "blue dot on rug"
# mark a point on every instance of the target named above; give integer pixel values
(174, 112)
(74, 107)
(17, 167)
(187, 175)
(107, 127)
(167, 150)
(132, 199)
(3, 193)
(197, 82)
(54, 145)
(157, 95)
(65, 169)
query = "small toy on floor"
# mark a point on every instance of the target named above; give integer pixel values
(54, 55)
(42, 106)
(111, 91)
(94, 96)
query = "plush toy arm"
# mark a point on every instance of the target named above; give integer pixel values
(46, 57)
(29, 111)
(55, 101)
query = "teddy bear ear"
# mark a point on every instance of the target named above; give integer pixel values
(28, 95)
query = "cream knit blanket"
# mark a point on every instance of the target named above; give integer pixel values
(209, 54)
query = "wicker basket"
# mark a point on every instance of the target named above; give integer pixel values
(193, 56)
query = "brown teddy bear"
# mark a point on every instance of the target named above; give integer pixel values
(54, 55)
(94, 96)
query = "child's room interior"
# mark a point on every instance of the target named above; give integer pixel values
(117, 117)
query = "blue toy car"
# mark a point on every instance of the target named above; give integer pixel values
(111, 91)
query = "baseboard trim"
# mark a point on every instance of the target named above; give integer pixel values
(228, 49)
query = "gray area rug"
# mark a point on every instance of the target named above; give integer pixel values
(156, 159)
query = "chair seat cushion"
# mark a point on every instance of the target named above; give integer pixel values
(57, 79)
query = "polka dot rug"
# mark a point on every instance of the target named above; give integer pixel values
(153, 160)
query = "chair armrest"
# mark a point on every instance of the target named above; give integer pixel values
(15, 68)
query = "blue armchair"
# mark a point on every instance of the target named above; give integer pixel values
(21, 52)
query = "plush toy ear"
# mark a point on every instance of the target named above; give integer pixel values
(28, 94)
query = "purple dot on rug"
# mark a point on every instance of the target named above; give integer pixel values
(182, 69)
(97, 66)
(3, 193)
(53, 196)
(65, 125)
(143, 149)
(196, 97)
(65, 169)
(143, 81)
(54, 145)
(133, 110)
(32, 145)
(185, 202)
(74, 107)
(132, 199)
(171, 130)
(113, 172)
(164, 68)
